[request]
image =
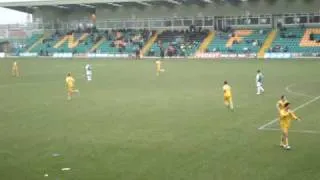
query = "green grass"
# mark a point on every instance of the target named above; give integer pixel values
(129, 124)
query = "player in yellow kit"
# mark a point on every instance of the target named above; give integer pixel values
(159, 67)
(286, 116)
(70, 82)
(15, 69)
(280, 107)
(281, 103)
(227, 95)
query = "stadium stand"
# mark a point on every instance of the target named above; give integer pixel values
(178, 43)
(238, 41)
(113, 42)
(96, 29)
(73, 41)
(296, 40)
(123, 41)
(33, 39)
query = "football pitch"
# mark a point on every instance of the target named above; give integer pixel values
(129, 124)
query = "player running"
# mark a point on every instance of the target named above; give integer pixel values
(70, 82)
(227, 95)
(259, 82)
(15, 69)
(88, 69)
(286, 116)
(159, 67)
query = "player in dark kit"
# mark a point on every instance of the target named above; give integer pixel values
(138, 53)
(161, 52)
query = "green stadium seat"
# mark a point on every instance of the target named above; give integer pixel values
(219, 43)
(292, 43)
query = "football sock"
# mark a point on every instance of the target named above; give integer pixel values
(282, 140)
(286, 141)
(231, 106)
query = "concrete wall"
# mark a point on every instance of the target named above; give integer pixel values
(103, 12)
(260, 7)
(79, 14)
(50, 14)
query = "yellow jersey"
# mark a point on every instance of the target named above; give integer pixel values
(280, 104)
(227, 90)
(14, 65)
(158, 63)
(70, 81)
(286, 116)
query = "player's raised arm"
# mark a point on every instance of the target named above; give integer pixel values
(278, 106)
(294, 116)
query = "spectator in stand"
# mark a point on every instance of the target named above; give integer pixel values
(261, 31)
(235, 42)
(138, 53)
(255, 43)
(162, 53)
(151, 52)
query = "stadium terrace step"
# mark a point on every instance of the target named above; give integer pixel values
(306, 42)
(72, 43)
(149, 44)
(267, 43)
(248, 41)
(204, 45)
(232, 39)
(60, 43)
(36, 43)
(178, 42)
(244, 32)
(238, 34)
(98, 44)
(295, 40)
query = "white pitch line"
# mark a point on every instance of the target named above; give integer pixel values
(297, 108)
(297, 131)
(297, 93)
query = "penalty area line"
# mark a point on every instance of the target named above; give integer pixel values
(296, 131)
(297, 93)
(295, 109)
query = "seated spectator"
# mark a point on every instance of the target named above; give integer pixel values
(261, 31)
(235, 42)
(151, 52)
(255, 43)
(246, 50)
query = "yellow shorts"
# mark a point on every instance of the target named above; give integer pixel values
(70, 89)
(284, 127)
(227, 99)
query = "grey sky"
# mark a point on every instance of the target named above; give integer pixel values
(10, 16)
